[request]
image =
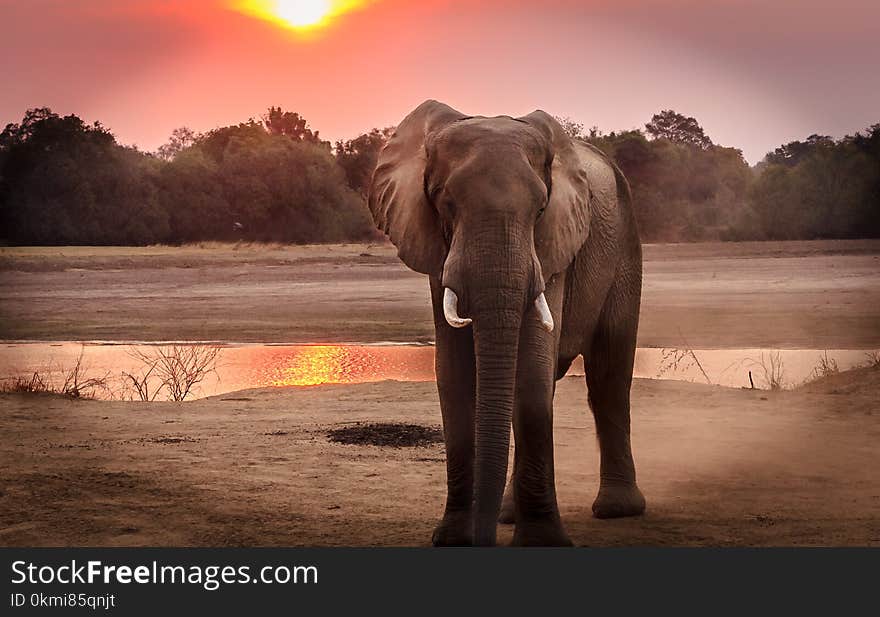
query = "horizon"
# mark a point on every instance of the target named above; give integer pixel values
(148, 67)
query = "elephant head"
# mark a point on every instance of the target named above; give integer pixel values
(491, 208)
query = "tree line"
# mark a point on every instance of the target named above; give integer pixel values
(63, 181)
(686, 188)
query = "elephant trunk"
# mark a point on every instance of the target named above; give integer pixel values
(496, 345)
(497, 274)
(497, 277)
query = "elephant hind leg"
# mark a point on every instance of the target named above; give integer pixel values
(508, 506)
(609, 377)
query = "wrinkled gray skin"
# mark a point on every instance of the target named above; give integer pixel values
(499, 210)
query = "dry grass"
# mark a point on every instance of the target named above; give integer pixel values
(74, 382)
(22, 385)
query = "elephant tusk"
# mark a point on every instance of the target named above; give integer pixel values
(450, 309)
(544, 312)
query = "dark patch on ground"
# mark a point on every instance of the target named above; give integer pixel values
(387, 434)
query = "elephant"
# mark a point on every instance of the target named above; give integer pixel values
(531, 248)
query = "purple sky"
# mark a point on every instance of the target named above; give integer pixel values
(754, 73)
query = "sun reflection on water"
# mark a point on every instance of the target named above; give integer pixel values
(313, 365)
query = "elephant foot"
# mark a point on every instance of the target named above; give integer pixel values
(541, 533)
(456, 529)
(618, 500)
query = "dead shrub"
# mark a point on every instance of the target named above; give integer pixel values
(76, 384)
(825, 368)
(683, 359)
(770, 369)
(177, 369)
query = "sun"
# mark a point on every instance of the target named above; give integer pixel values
(303, 13)
(299, 15)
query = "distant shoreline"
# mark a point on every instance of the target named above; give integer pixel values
(783, 295)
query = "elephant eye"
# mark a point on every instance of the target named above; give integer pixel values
(541, 211)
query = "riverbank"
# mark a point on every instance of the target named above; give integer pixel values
(797, 295)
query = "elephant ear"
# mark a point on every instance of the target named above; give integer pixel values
(563, 228)
(397, 197)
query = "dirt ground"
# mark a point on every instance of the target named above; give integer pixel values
(813, 295)
(719, 467)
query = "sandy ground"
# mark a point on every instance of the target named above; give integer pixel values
(813, 295)
(719, 467)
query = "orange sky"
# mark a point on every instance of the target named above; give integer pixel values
(755, 73)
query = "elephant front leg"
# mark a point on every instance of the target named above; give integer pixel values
(536, 512)
(456, 384)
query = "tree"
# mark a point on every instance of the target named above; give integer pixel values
(181, 139)
(867, 143)
(680, 192)
(192, 194)
(794, 152)
(66, 182)
(573, 128)
(576, 129)
(677, 128)
(358, 157)
(215, 142)
(820, 188)
(290, 124)
(281, 189)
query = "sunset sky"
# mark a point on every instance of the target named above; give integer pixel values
(755, 73)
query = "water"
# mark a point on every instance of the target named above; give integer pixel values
(255, 366)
